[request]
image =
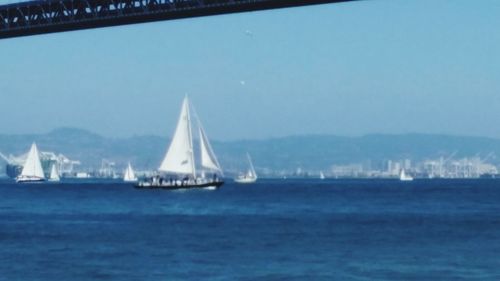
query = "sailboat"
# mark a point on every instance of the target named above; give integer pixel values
(250, 176)
(32, 169)
(178, 168)
(321, 175)
(54, 174)
(129, 175)
(404, 177)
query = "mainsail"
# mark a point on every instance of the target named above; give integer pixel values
(404, 177)
(54, 175)
(33, 166)
(179, 157)
(129, 174)
(251, 172)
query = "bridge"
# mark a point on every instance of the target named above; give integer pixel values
(48, 16)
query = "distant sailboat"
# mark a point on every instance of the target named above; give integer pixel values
(129, 175)
(321, 175)
(404, 177)
(178, 167)
(32, 169)
(54, 174)
(250, 176)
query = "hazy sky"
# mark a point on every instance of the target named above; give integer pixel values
(429, 66)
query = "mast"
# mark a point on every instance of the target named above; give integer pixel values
(191, 151)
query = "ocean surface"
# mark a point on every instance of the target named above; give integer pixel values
(270, 230)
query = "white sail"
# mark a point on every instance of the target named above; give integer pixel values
(54, 175)
(250, 176)
(33, 166)
(208, 159)
(179, 157)
(251, 172)
(129, 174)
(404, 177)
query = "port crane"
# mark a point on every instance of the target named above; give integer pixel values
(7, 159)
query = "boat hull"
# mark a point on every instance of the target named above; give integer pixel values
(406, 179)
(168, 186)
(245, 180)
(24, 179)
(130, 180)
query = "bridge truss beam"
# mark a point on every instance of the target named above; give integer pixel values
(47, 16)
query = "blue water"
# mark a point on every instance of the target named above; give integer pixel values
(271, 230)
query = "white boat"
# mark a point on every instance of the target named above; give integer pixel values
(178, 168)
(54, 174)
(321, 175)
(129, 175)
(32, 169)
(404, 177)
(82, 175)
(250, 176)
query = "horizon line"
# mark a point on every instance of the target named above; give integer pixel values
(259, 138)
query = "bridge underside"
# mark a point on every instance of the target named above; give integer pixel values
(47, 16)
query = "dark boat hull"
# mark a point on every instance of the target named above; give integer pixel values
(28, 180)
(207, 185)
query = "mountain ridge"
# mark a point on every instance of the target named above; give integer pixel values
(308, 152)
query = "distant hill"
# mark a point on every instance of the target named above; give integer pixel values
(309, 152)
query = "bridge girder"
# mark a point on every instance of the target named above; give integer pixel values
(48, 16)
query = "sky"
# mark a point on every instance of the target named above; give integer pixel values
(350, 69)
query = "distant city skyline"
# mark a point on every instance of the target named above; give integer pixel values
(344, 69)
(377, 156)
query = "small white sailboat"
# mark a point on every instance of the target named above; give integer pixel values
(32, 169)
(250, 176)
(404, 177)
(321, 175)
(129, 175)
(54, 174)
(178, 169)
